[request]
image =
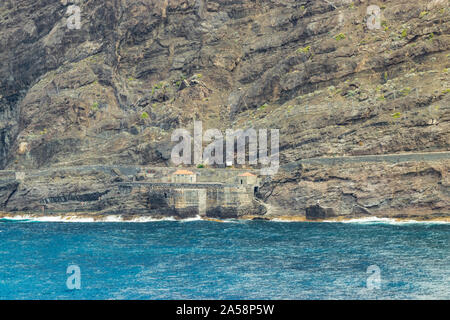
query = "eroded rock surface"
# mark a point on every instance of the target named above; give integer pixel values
(113, 91)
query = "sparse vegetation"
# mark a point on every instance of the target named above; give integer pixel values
(404, 33)
(423, 14)
(183, 77)
(304, 50)
(352, 93)
(144, 115)
(157, 86)
(405, 91)
(340, 36)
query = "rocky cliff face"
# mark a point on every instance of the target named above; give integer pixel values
(112, 91)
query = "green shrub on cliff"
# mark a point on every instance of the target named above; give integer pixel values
(340, 36)
(404, 33)
(144, 115)
(157, 86)
(396, 115)
(304, 50)
(405, 91)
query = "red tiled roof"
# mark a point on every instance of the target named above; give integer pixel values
(183, 172)
(247, 174)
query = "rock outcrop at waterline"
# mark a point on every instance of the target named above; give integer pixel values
(358, 187)
(113, 91)
(319, 213)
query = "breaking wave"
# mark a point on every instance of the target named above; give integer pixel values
(143, 219)
(376, 220)
(77, 219)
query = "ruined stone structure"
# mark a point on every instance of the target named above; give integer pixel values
(157, 192)
(184, 176)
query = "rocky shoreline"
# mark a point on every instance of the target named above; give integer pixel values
(372, 104)
(394, 186)
(95, 217)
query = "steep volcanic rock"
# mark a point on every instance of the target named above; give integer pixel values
(7, 190)
(408, 189)
(317, 212)
(113, 91)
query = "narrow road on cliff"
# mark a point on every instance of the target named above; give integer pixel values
(129, 169)
(391, 158)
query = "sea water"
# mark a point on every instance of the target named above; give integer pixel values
(375, 259)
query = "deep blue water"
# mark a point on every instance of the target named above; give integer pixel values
(236, 260)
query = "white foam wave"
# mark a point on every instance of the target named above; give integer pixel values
(233, 221)
(285, 220)
(119, 218)
(109, 218)
(376, 220)
(196, 218)
(143, 219)
(48, 218)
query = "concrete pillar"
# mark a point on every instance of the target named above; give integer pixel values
(202, 202)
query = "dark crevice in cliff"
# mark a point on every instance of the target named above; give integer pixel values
(15, 187)
(77, 197)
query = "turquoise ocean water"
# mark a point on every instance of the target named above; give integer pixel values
(233, 260)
